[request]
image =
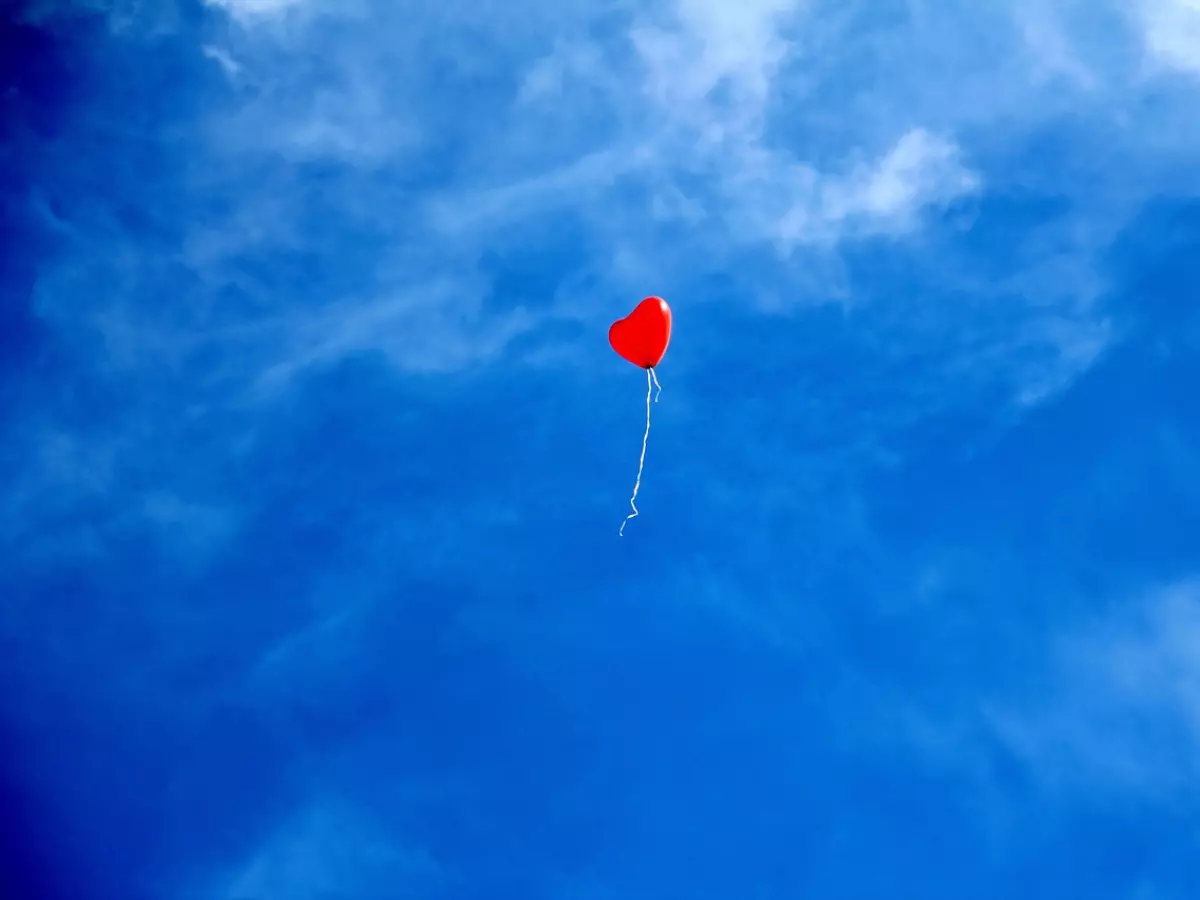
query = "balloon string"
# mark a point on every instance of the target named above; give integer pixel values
(654, 376)
(651, 379)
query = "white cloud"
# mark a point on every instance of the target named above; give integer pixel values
(687, 136)
(1051, 53)
(920, 170)
(223, 59)
(435, 327)
(707, 45)
(330, 849)
(713, 77)
(1171, 31)
(61, 507)
(346, 119)
(252, 10)
(1121, 705)
(695, 116)
(1104, 708)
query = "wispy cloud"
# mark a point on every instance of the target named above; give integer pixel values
(741, 125)
(920, 171)
(251, 11)
(330, 848)
(1120, 710)
(331, 207)
(1171, 31)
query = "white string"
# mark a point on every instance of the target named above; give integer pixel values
(651, 379)
(654, 375)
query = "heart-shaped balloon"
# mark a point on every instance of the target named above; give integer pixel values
(642, 336)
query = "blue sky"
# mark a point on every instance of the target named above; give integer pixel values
(314, 451)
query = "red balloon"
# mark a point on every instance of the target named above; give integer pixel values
(642, 336)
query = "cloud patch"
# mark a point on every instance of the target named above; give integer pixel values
(331, 849)
(1171, 31)
(1122, 706)
(249, 11)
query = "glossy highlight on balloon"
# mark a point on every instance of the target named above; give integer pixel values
(643, 335)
